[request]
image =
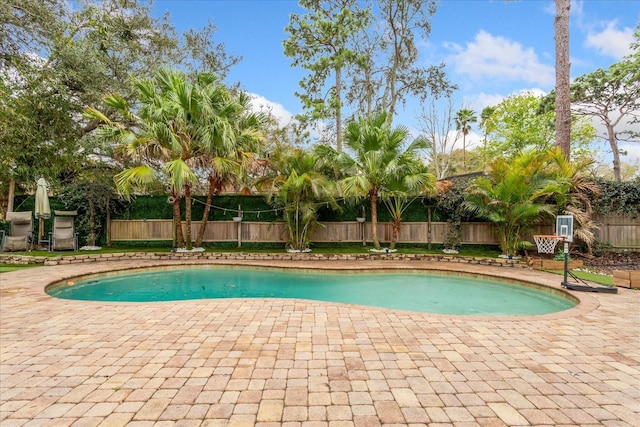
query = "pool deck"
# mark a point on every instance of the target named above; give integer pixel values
(246, 362)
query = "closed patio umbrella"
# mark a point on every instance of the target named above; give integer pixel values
(42, 210)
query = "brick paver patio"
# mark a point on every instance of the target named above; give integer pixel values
(302, 363)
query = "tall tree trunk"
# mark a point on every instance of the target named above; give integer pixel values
(374, 219)
(108, 225)
(563, 68)
(396, 232)
(464, 152)
(215, 186)
(92, 223)
(613, 143)
(12, 194)
(187, 216)
(177, 221)
(339, 109)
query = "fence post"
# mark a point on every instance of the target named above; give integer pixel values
(428, 226)
(238, 220)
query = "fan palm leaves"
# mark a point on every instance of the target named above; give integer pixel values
(383, 166)
(175, 124)
(234, 138)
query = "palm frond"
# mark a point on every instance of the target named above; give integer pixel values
(134, 178)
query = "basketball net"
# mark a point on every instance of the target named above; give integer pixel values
(546, 244)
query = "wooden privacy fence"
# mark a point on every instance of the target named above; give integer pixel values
(274, 232)
(619, 231)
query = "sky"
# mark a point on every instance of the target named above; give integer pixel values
(491, 48)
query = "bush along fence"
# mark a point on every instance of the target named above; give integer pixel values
(148, 221)
(423, 223)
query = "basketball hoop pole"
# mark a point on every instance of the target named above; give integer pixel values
(566, 262)
(564, 231)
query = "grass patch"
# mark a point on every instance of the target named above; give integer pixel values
(591, 277)
(5, 268)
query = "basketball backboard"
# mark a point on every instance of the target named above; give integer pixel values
(564, 227)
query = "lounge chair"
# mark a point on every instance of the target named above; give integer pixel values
(63, 235)
(20, 234)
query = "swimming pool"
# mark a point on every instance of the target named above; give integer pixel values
(414, 291)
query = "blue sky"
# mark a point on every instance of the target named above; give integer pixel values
(492, 48)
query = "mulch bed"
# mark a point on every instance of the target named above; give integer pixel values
(605, 263)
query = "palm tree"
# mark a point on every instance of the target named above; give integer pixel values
(513, 198)
(577, 192)
(170, 130)
(234, 134)
(487, 125)
(402, 190)
(379, 162)
(464, 118)
(299, 189)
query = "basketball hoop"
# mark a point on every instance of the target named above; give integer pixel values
(546, 243)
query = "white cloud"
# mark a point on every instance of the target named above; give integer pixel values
(632, 152)
(481, 100)
(282, 115)
(260, 103)
(550, 8)
(489, 56)
(473, 140)
(611, 41)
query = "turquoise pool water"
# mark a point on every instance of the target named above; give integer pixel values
(424, 292)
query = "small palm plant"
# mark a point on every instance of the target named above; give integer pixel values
(513, 198)
(299, 189)
(578, 191)
(402, 191)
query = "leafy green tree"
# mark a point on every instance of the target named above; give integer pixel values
(319, 42)
(464, 118)
(380, 164)
(94, 196)
(517, 126)
(450, 204)
(388, 69)
(299, 189)
(58, 60)
(35, 139)
(521, 122)
(612, 96)
(513, 198)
